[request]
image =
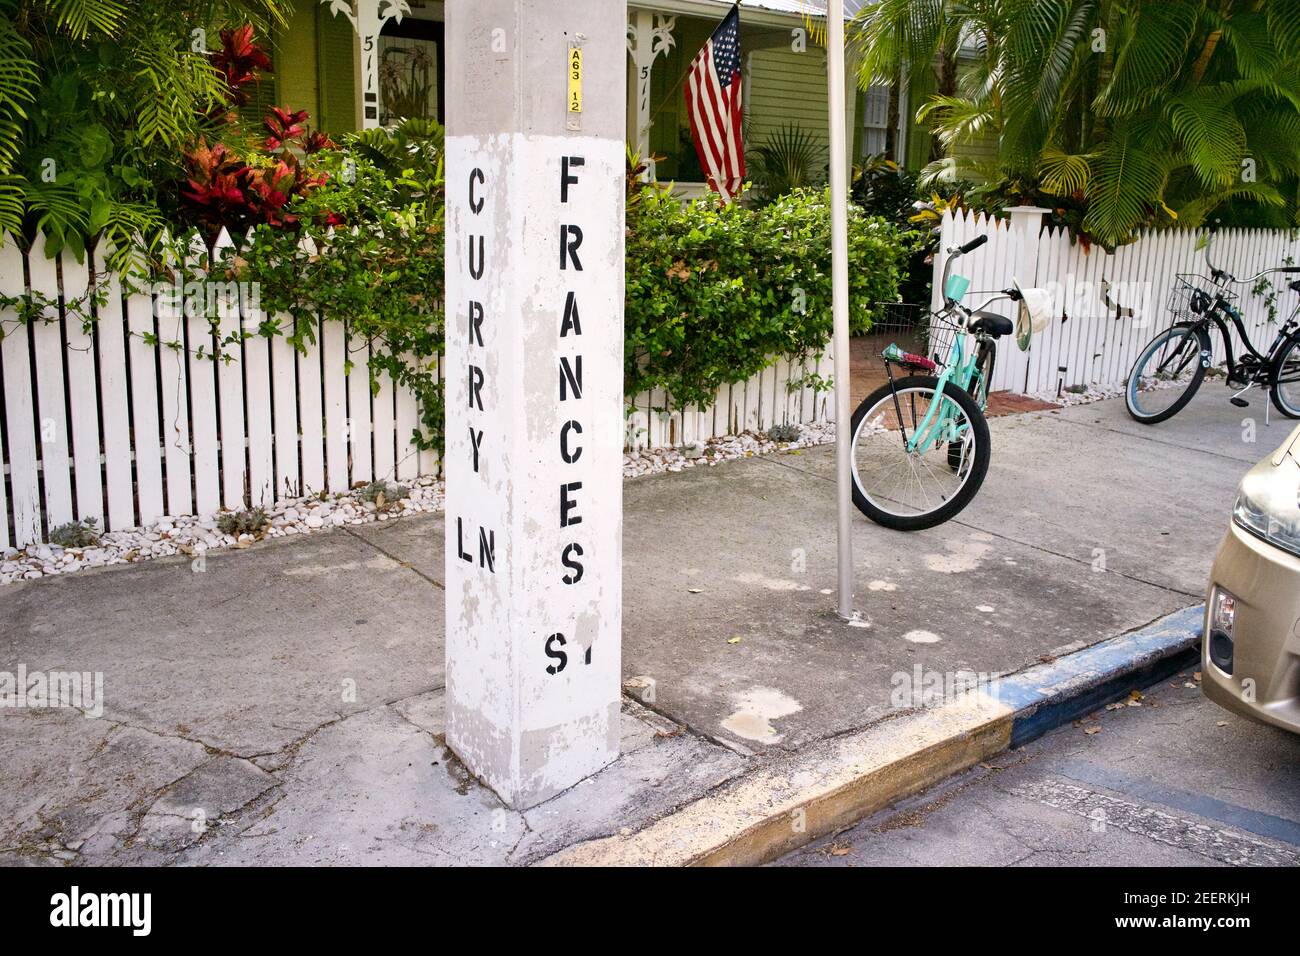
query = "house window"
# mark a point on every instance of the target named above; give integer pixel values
(875, 120)
(410, 70)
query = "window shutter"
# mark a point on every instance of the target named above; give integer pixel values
(335, 47)
(261, 97)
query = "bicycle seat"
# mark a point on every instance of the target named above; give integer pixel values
(1294, 286)
(990, 323)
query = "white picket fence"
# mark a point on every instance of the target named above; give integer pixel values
(778, 395)
(100, 423)
(1088, 341)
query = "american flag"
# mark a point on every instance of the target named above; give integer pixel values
(713, 104)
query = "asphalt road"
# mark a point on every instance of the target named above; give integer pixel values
(1171, 780)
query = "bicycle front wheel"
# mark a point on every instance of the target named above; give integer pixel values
(1167, 374)
(1286, 379)
(902, 477)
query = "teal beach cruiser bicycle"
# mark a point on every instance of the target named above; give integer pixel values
(920, 441)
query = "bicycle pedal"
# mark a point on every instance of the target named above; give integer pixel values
(1239, 402)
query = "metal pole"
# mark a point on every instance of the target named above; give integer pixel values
(840, 299)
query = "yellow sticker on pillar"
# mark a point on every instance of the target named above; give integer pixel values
(575, 79)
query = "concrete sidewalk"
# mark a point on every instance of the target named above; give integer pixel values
(284, 706)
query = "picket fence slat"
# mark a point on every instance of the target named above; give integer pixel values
(83, 393)
(50, 406)
(175, 401)
(146, 427)
(284, 395)
(110, 328)
(333, 354)
(256, 372)
(311, 411)
(408, 417)
(427, 457)
(20, 418)
(230, 377)
(358, 404)
(382, 419)
(200, 347)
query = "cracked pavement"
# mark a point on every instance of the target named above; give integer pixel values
(284, 705)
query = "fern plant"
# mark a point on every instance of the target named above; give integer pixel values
(97, 98)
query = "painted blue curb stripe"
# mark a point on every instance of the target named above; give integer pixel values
(1048, 695)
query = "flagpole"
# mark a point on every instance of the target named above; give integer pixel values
(840, 301)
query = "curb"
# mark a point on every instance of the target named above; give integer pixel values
(831, 785)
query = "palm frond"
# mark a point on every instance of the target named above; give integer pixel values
(1211, 136)
(1158, 37)
(956, 119)
(1252, 44)
(789, 158)
(1045, 41)
(13, 200)
(1064, 174)
(1195, 212)
(1283, 18)
(889, 34)
(1128, 180)
(55, 208)
(78, 18)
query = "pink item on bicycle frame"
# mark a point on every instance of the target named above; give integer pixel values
(917, 361)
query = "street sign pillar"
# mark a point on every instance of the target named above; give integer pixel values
(537, 93)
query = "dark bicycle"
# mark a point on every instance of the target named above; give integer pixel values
(1170, 369)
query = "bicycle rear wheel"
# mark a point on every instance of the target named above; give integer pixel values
(910, 490)
(1167, 373)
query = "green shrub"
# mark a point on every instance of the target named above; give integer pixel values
(713, 293)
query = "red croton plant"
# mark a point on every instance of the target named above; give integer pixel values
(225, 189)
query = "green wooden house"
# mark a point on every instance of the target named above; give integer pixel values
(318, 68)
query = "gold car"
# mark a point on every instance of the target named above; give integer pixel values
(1250, 656)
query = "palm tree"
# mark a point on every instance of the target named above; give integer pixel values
(1142, 112)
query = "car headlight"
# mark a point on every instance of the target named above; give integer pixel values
(1261, 521)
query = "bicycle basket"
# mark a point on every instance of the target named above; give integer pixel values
(1188, 299)
(943, 332)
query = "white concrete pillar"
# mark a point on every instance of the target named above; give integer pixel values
(534, 389)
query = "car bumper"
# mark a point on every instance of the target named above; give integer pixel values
(1265, 681)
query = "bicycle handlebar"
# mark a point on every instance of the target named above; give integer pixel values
(1220, 275)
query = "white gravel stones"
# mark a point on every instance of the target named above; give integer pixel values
(194, 536)
(728, 448)
(1086, 395)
